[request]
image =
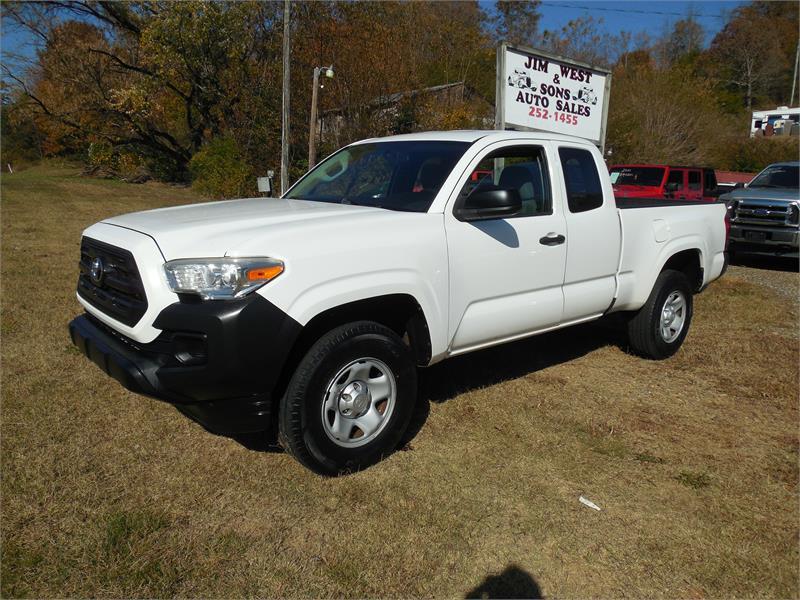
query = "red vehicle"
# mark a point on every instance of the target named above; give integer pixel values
(664, 181)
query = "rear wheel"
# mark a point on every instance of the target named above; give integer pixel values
(661, 325)
(349, 400)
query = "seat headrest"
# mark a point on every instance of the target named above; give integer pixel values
(431, 176)
(514, 176)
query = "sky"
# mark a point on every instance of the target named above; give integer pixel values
(651, 16)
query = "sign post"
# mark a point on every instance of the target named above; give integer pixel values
(539, 91)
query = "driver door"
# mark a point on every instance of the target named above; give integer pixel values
(506, 274)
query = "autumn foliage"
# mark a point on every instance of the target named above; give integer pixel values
(174, 90)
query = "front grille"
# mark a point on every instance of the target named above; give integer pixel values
(764, 213)
(118, 292)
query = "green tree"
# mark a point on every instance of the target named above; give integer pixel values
(752, 55)
(518, 22)
(21, 139)
(220, 171)
(158, 78)
(663, 116)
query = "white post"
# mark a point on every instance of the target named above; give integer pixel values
(312, 128)
(794, 79)
(285, 103)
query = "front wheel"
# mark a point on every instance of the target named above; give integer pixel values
(349, 400)
(661, 325)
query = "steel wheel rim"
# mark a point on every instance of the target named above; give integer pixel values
(673, 316)
(358, 402)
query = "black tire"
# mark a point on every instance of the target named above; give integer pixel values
(300, 420)
(644, 329)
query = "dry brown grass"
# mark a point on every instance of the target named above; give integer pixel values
(694, 460)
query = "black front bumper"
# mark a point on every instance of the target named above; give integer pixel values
(218, 362)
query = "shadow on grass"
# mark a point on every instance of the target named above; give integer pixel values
(259, 441)
(448, 379)
(511, 583)
(769, 263)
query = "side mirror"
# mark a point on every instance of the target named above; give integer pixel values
(738, 185)
(482, 205)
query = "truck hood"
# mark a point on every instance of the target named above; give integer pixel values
(224, 228)
(762, 193)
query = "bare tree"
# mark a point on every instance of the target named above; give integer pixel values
(746, 56)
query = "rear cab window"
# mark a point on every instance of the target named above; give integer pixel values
(584, 190)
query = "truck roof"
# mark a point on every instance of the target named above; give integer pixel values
(473, 135)
(787, 163)
(780, 110)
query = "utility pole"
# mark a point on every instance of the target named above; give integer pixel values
(794, 79)
(312, 127)
(285, 103)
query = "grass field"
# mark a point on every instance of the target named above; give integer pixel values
(694, 461)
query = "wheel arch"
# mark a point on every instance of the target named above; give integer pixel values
(399, 312)
(637, 285)
(690, 263)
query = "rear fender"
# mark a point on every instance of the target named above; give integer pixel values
(635, 287)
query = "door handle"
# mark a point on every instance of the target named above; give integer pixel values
(552, 239)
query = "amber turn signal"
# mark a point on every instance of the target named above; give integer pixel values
(264, 273)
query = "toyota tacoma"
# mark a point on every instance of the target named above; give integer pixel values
(309, 315)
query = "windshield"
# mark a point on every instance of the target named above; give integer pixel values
(393, 175)
(778, 176)
(647, 176)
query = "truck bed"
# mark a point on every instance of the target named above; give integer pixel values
(664, 229)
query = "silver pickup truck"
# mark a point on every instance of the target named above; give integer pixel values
(765, 215)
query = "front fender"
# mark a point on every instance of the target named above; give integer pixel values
(309, 301)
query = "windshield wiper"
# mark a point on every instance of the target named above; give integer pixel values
(346, 200)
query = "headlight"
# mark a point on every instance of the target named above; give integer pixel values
(794, 216)
(221, 278)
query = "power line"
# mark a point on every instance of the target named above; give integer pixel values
(637, 11)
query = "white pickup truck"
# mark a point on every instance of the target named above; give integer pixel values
(310, 314)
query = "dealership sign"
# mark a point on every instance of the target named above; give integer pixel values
(543, 92)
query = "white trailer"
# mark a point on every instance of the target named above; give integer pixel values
(779, 121)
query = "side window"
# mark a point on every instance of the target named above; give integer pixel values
(584, 191)
(676, 177)
(711, 181)
(523, 168)
(694, 181)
